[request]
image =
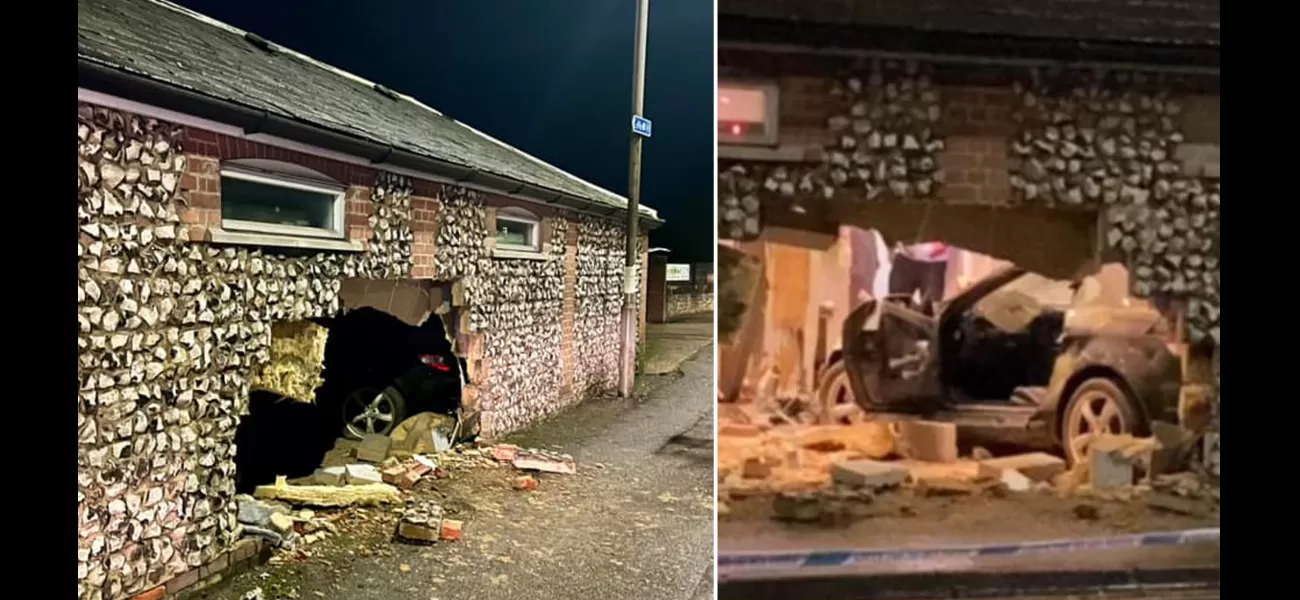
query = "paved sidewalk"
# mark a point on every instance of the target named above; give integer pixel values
(668, 345)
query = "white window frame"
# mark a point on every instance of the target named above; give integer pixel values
(290, 181)
(519, 215)
(772, 92)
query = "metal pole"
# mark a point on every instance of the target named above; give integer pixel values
(631, 279)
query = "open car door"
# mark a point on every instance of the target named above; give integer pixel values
(893, 366)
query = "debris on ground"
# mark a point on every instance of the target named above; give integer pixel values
(505, 452)
(544, 461)
(451, 529)
(421, 522)
(378, 470)
(374, 448)
(812, 470)
(326, 495)
(526, 483)
(425, 433)
(254, 594)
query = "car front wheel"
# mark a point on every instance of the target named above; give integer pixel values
(371, 411)
(1097, 407)
(835, 398)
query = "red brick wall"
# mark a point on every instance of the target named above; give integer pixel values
(424, 228)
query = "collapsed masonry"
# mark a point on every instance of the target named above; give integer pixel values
(826, 473)
(170, 329)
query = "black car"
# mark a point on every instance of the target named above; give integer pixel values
(379, 370)
(1014, 352)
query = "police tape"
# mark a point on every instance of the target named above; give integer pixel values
(742, 561)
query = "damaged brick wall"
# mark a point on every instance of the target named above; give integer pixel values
(168, 331)
(894, 139)
(169, 327)
(1042, 167)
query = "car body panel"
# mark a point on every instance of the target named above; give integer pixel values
(1123, 343)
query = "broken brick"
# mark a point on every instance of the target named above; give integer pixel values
(505, 452)
(755, 469)
(407, 480)
(962, 470)
(947, 487)
(1037, 466)
(451, 529)
(421, 522)
(391, 475)
(421, 532)
(932, 441)
(526, 483)
(547, 462)
(739, 430)
(153, 594)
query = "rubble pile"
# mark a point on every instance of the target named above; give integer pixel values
(378, 470)
(827, 473)
(281, 525)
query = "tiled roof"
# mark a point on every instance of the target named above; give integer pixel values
(166, 43)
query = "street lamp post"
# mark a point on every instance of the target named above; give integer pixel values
(631, 278)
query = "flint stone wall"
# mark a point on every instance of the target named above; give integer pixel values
(689, 299)
(169, 329)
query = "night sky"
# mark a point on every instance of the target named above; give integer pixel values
(551, 77)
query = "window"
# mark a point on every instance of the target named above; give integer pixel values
(747, 113)
(280, 199)
(519, 230)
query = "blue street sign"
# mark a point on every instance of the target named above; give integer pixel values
(640, 125)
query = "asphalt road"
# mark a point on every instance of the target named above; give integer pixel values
(635, 522)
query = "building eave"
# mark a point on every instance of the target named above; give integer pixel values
(109, 79)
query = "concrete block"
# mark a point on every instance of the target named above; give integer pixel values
(374, 448)
(329, 476)
(1109, 464)
(1015, 480)
(1037, 466)
(361, 474)
(928, 440)
(281, 523)
(868, 473)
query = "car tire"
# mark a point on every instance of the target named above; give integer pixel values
(370, 410)
(835, 394)
(1102, 405)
